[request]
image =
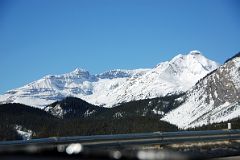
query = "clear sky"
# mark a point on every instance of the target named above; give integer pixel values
(40, 37)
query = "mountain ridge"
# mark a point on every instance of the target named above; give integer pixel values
(114, 87)
(215, 98)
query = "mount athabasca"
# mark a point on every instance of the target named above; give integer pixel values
(115, 87)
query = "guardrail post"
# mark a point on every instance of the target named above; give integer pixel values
(229, 126)
(230, 135)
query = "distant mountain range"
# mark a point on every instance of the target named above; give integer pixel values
(187, 91)
(117, 86)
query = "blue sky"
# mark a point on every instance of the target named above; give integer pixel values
(40, 37)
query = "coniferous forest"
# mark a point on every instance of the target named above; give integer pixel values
(43, 124)
(81, 118)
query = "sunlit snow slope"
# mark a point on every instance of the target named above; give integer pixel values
(117, 86)
(213, 99)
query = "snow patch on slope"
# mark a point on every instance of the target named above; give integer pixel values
(56, 111)
(24, 133)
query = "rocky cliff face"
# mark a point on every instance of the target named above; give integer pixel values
(214, 98)
(223, 85)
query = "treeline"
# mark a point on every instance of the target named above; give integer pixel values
(155, 107)
(131, 117)
(43, 124)
(235, 124)
(34, 119)
(125, 125)
(77, 108)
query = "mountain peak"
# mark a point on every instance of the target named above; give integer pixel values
(190, 67)
(195, 61)
(189, 56)
(79, 71)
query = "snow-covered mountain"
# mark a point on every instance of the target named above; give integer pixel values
(117, 86)
(213, 99)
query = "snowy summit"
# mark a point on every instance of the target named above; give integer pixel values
(116, 86)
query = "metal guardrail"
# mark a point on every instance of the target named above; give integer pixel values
(133, 139)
